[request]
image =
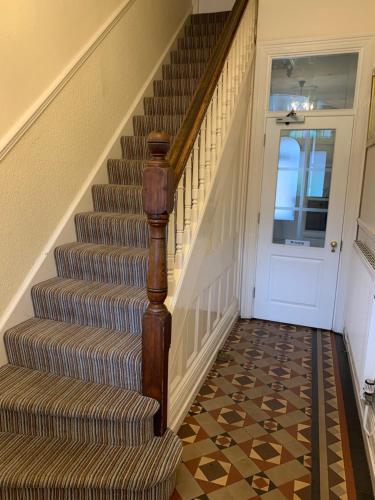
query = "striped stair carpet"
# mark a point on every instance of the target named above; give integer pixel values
(73, 422)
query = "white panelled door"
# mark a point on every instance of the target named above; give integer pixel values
(302, 208)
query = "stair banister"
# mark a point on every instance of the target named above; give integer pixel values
(176, 182)
(191, 125)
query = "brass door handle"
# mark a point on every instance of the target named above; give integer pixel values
(333, 246)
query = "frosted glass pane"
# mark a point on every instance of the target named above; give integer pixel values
(303, 185)
(313, 82)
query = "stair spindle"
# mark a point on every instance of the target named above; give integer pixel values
(208, 147)
(214, 130)
(219, 112)
(202, 164)
(195, 189)
(188, 200)
(180, 222)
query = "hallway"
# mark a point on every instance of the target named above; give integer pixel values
(272, 420)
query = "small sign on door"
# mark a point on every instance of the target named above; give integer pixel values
(297, 243)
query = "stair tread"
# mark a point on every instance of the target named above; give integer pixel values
(115, 215)
(96, 354)
(105, 249)
(33, 391)
(91, 289)
(94, 303)
(53, 463)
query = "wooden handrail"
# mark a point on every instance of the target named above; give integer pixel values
(189, 130)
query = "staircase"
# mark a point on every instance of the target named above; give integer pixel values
(73, 421)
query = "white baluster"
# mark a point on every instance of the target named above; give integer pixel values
(237, 67)
(234, 66)
(214, 130)
(188, 200)
(202, 165)
(195, 183)
(180, 222)
(219, 112)
(208, 147)
(171, 251)
(225, 98)
(243, 45)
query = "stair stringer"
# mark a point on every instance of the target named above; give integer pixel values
(205, 302)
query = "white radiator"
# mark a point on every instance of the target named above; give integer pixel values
(360, 332)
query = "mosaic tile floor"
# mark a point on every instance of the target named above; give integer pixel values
(269, 421)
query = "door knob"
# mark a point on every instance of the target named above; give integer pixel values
(333, 246)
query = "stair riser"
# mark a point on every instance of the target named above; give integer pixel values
(193, 43)
(99, 311)
(161, 491)
(134, 148)
(75, 364)
(166, 105)
(205, 29)
(107, 198)
(185, 71)
(76, 429)
(190, 56)
(112, 231)
(209, 18)
(130, 270)
(144, 125)
(170, 88)
(125, 172)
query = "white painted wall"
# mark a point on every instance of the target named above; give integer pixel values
(38, 38)
(368, 196)
(202, 6)
(288, 19)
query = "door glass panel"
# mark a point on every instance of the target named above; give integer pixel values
(303, 186)
(313, 82)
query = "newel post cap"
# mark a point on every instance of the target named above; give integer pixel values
(158, 177)
(159, 143)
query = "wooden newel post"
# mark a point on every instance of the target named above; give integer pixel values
(158, 203)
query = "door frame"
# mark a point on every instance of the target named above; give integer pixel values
(326, 263)
(365, 46)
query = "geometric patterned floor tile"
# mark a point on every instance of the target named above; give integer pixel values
(260, 483)
(248, 433)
